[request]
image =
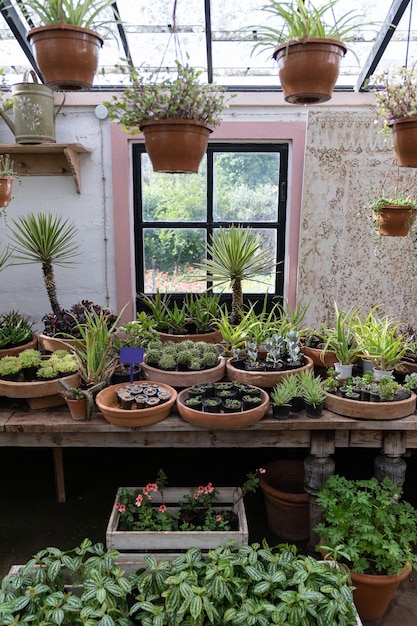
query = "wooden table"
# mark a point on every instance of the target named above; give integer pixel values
(54, 428)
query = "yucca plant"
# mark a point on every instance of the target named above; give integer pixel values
(236, 254)
(46, 239)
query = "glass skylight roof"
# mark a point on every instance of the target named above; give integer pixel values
(225, 55)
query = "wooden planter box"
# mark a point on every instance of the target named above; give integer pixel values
(166, 544)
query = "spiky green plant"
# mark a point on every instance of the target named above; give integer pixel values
(46, 239)
(82, 13)
(236, 254)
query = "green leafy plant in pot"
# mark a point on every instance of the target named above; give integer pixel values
(176, 115)
(65, 45)
(396, 103)
(311, 45)
(366, 525)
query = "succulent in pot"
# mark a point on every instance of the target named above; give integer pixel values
(312, 392)
(15, 329)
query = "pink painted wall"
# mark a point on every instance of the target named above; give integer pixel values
(293, 132)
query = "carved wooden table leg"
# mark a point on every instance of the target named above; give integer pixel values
(317, 468)
(390, 463)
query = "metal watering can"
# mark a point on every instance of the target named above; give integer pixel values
(33, 111)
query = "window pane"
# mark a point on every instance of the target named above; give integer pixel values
(265, 282)
(173, 197)
(245, 187)
(169, 257)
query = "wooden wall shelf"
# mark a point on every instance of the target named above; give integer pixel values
(47, 159)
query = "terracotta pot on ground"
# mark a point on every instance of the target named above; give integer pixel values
(175, 145)
(286, 502)
(67, 56)
(77, 408)
(395, 221)
(6, 186)
(372, 594)
(404, 137)
(308, 70)
(30, 345)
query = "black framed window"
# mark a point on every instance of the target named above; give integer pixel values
(175, 214)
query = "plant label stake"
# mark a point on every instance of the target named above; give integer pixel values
(131, 356)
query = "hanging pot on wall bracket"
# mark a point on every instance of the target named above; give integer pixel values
(404, 137)
(33, 111)
(175, 146)
(308, 69)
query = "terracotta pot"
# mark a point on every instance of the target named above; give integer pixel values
(395, 221)
(221, 421)
(77, 408)
(175, 145)
(67, 55)
(50, 344)
(308, 70)
(30, 345)
(368, 410)
(372, 594)
(184, 379)
(265, 380)
(404, 137)
(6, 186)
(286, 502)
(106, 401)
(40, 394)
(320, 358)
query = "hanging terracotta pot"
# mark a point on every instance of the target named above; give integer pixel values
(175, 145)
(395, 220)
(6, 185)
(67, 56)
(372, 594)
(404, 136)
(308, 70)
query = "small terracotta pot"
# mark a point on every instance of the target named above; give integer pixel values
(6, 186)
(404, 136)
(394, 220)
(77, 408)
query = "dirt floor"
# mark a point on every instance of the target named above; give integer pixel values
(31, 519)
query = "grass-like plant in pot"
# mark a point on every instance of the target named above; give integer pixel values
(308, 42)
(155, 104)
(282, 395)
(236, 253)
(312, 392)
(367, 525)
(341, 339)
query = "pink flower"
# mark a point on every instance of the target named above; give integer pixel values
(200, 489)
(139, 500)
(162, 508)
(145, 490)
(122, 508)
(195, 496)
(209, 488)
(218, 518)
(262, 470)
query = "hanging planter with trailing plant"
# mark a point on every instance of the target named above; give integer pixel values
(309, 49)
(396, 100)
(176, 116)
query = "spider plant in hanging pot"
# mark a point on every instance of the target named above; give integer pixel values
(310, 48)
(65, 46)
(396, 101)
(176, 116)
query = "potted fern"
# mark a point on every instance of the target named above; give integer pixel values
(176, 116)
